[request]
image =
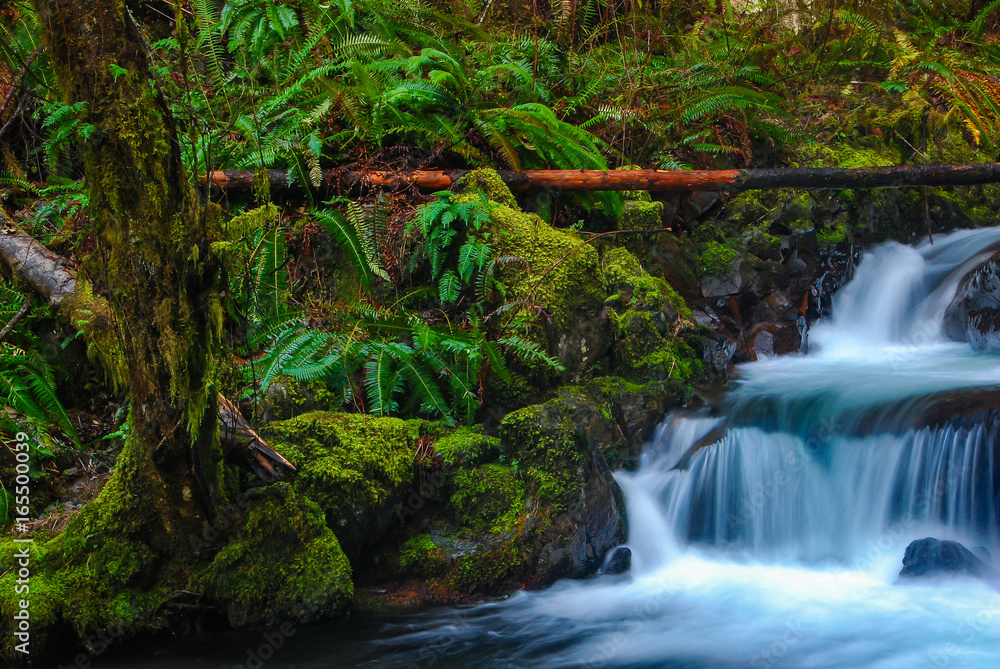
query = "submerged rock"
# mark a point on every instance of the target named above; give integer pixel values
(974, 313)
(930, 557)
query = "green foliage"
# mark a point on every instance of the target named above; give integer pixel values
(441, 223)
(394, 362)
(27, 380)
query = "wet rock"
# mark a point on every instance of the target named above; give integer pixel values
(974, 313)
(619, 561)
(579, 511)
(930, 557)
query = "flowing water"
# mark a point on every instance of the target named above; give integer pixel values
(779, 544)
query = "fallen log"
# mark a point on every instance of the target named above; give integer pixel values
(52, 277)
(239, 183)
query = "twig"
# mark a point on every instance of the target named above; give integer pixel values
(25, 308)
(482, 16)
(16, 80)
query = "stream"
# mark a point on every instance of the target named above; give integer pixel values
(779, 544)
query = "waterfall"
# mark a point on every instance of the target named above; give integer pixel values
(779, 495)
(770, 531)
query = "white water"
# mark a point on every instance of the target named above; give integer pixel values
(780, 545)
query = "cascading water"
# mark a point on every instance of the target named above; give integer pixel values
(779, 542)
(771, 533)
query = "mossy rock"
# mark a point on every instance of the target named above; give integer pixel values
(487, 497)
(563, 275)
(354, 466)
(283, 564)
(465, 446)
(641, 214)
(579, 509)
(629, 285)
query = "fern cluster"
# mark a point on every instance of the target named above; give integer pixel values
(432, 350)
(27, 380)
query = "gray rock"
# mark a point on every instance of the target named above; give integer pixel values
(933, 557)
(974, 313)
(618, 561)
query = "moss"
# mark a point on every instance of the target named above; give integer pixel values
(354, 466)
(420, 556)
(489, 496)
(489, 183)
(718, 259)
(564, 275)
(833, 233)
(345, 459)
(643, 349)
(642, 215)
(486, 570)
(465, 446)
(625, 278)
(115, 565)
(849, 155)
(548, 448)
(284, 562)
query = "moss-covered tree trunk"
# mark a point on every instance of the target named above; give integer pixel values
(155, 266)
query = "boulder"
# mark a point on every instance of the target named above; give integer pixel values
(974, 313)
(579, 510)
(355, 467)
(932, 557)
(618, 561)
(557, 274)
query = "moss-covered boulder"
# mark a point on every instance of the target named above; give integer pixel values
(580, 511)
(283, 564)
(563, 275)
(354, 466)
(535, 504)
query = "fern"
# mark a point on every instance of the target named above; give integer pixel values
(27, 380)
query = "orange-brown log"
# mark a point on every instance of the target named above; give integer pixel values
(239, 182)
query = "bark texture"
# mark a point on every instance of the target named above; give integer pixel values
(154, 266)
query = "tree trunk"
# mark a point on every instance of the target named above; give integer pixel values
(154, 266)
(239, 183)
(52, 277)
